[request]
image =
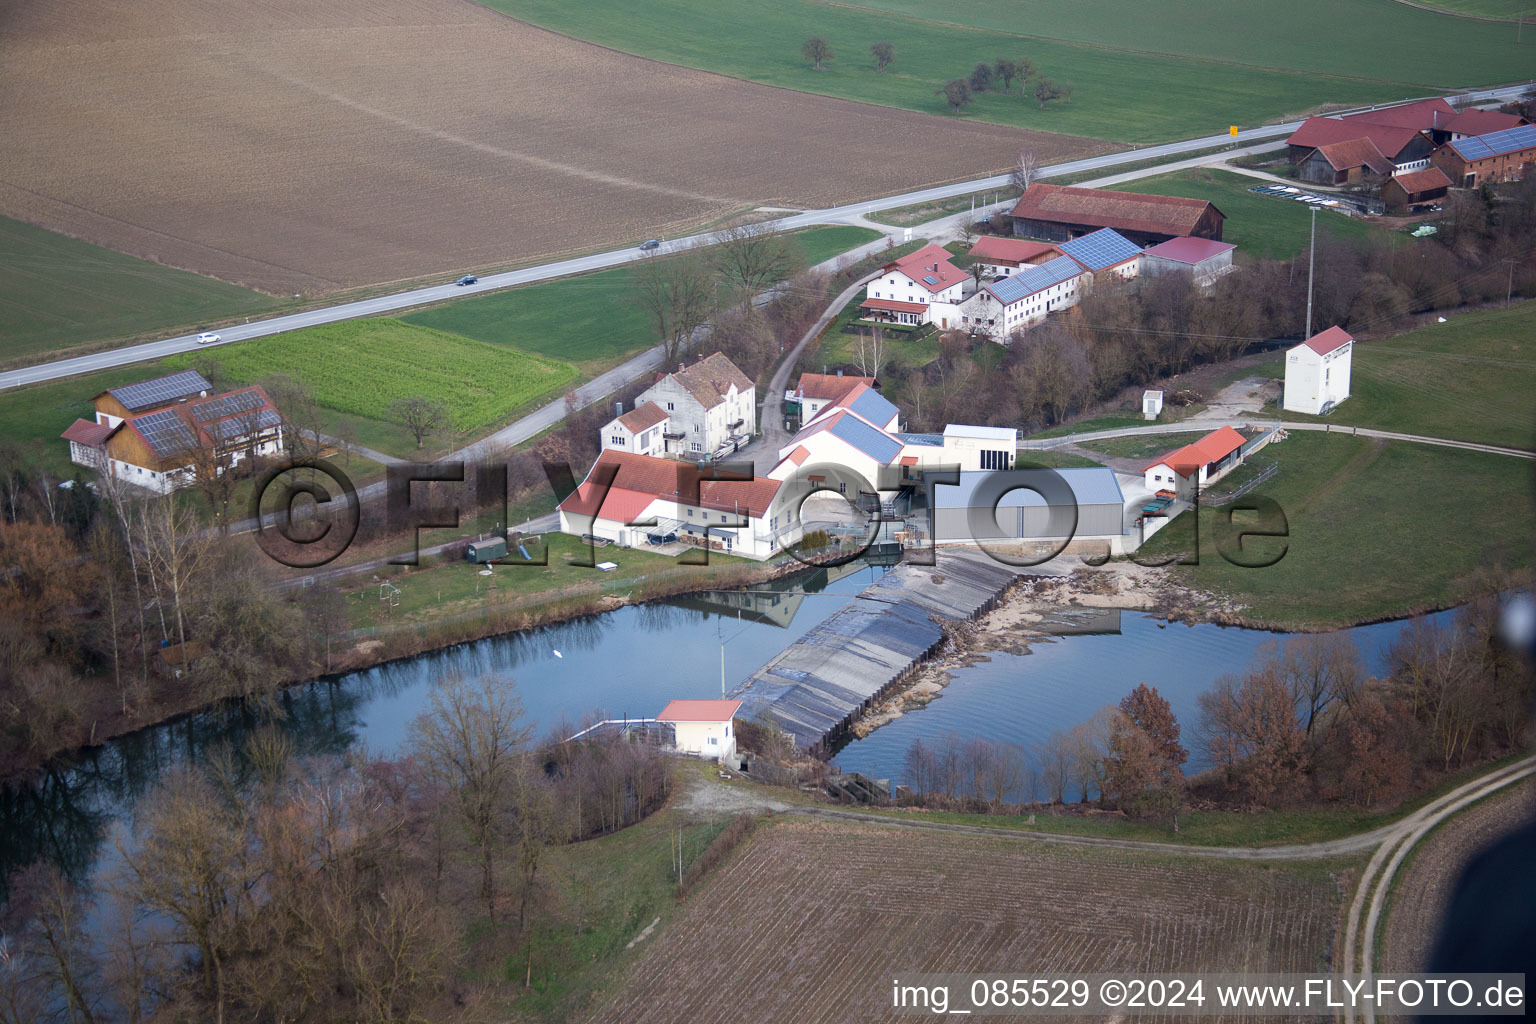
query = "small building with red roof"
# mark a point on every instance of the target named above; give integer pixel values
(1201, 258)
(703, 727)
(1001, 257)
(1345, 163)
(642, 430)
(1415, 189)
(1317, 372)
(1197, 464)
(817, 391)
(921, 287)
(1474, 121)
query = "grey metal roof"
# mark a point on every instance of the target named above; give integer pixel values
(166, 432)
(149, 393)
(1095, 485)
(876, 444)
(1510, 140)
(873, 407)
(932, 440)
(989, 433)
(1101, 249)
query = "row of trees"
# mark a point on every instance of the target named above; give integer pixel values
(997, 76)
(261, 887)
(1303, 724)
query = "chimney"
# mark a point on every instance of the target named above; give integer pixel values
(618, 408)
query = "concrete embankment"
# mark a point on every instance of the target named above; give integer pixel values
(817, 687)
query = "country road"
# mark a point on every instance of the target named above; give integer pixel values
(850, 213)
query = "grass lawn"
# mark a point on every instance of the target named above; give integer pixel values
(1090, 425)
(1055, 460)
(901, 348)
(1469, 379)
(56, 291)
(592, 320)
(359, 367)
(1139, 446)
(33, 417)
(1196, 69)
(1257, 225)
(1510, 9)
(1376, 529)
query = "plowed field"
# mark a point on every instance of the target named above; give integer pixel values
(812, 919)
(301, 147)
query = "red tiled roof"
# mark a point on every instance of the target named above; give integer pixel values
(1343, 156)
(699, 711)
(799, 455)
(1218, 444)
(909, 460)
(1189, 250)
(620, 505)
(1325, 131)
(643, 416)
(1421, 115)
(676, 481)
(87, 432)
(827, 385)
(1123, 211)
(1481, 122)
(995, 250)
(929, 261)
(1423, 181)
(1326, 341)
(891, 305)
(709, 380)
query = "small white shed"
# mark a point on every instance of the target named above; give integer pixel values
(1151, 405)
(1317, 372)
(703, 727)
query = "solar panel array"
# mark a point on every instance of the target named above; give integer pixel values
(1100, 249)
(930, 279)
(166, 432)
(1510, 140)
(874, 408)
(877, 445)
(238, 425)
(231, 404)
(150, 393)
(1035, 279)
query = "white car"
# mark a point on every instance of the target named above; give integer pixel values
(207, 338)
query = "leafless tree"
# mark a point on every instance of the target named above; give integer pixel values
(869, 351)
(816, 50)
(750, 257)
(1025, 167)
(677, 293)
(957, 93)
(422, 416)
(883, 53)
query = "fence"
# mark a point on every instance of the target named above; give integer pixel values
(1218, 498)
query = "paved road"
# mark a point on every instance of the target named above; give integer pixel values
(850, 213)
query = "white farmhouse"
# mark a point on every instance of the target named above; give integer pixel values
(1015, 302)
(922, 287)
(703, 727)
(711, 405)
(1317, 372)
(816, 391)
(1004, 257)
(642, 430)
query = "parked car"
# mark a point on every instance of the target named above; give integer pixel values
(650, 244)
(207, 338)
(466, 279)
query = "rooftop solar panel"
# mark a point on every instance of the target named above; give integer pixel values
(930, 279)
(877, 445)
(149, 393)
(238, 425)
(166, 432)
(1101, 249)
(1510, 140)
(227, 405)
(874, 408)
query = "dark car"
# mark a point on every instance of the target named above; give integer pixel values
(466, 279)
(650, 244)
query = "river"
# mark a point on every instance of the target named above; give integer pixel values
(629, 663)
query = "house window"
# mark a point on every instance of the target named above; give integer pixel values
(690, 513)
(669, 406)
(714, 741)
(617, 441)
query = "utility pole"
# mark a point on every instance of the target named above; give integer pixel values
(1509, 292)
(1311, 260)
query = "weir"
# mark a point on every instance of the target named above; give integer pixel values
(815, 688)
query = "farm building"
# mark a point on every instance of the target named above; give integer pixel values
(921, 287)
(1414, 189)
(1502, 156)
(869, 404)
(979, 448)
(711, 406)
(1201, 258)
(1000, 257)
(703, 727)
(1317, 372)
(1196, 464)
(1106, 253)
(1472, 122)
(816, 391)
(1029, 504)
(631, 499)
(1402, 134)
(1056, 213)
(1344, 163)
(1011, 303)
(162, 434)
(642, 430)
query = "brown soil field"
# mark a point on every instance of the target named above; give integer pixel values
(292, 146)
(1422, 892)
(810, 920)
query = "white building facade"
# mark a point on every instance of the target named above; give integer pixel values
(1317, 372)
(711, 405)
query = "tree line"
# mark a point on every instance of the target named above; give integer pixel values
(997, 76)
(1304, 725)
(261, 886)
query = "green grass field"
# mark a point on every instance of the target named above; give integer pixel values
(1469, 379)
(360, 366)
(1260, 226)
(1510, 9)
(1377, 529)
(1143, 72)
(56, 292)
(591, 320)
